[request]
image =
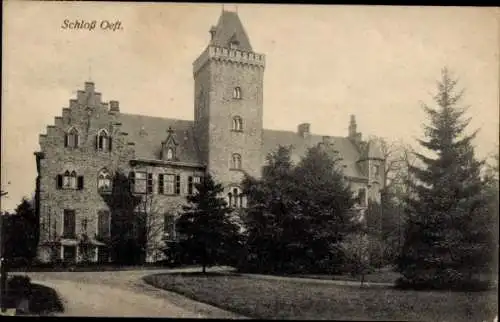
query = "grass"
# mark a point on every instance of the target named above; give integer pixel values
(278, 299)
(385, 275)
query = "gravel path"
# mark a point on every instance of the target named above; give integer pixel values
(122, 294)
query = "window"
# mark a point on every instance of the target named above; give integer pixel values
(104, 180)
(169, 184)
(236, 199)
(170, 154)
(236, 161)
(138, 182)
(71, 138)
(69, 228)
(237, 93)
(237, 123)
(103, 141)
(103, 224)
(69, 181)
(362, 197)
(192, 182)
(234, 44)
(169, 226)
(376, 170)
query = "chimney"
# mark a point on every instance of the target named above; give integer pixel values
(352, 127)
(304, 129)
(354, 135)
(89, 87)
(114, 106)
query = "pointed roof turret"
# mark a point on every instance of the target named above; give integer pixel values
(229, 30)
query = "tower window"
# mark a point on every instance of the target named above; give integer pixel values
(237, 93)
(235, 198)
(236, 161)
(71, 138)
(237, 123)
(362, 197)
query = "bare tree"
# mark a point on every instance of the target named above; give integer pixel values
(151, 226)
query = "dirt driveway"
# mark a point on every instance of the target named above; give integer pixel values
(122, 294)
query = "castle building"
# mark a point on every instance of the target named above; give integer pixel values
(92, 140)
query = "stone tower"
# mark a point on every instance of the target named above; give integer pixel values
(228, 103)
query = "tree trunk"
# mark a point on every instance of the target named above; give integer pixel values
(362, 279)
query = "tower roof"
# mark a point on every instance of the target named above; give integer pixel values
(229, 28)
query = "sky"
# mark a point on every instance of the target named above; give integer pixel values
(323, 63)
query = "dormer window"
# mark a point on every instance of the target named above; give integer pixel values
(234, 44)
(237, 124)
(103, 141)
(71, 138)
(170, 154)
(237, 93)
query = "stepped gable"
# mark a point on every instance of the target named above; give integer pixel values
(149, 132)
(349, 153)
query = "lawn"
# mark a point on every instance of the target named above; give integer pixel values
(273, 299)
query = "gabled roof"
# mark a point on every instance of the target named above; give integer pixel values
(346, 149)
(149, 132)
(229, 27)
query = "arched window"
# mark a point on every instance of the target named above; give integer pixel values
(104, 180)
(170, 154)
(237, 93)
(236, 199)
(237, 123)
(71, 139)
(66, 180)
(73, 180)
(103, 140)
(236, 161)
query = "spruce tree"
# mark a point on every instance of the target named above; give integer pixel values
(446, 242)
(209, 236)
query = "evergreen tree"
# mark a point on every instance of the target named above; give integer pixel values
(446, 241)
(270, 205)
(208, 234)
(297, 215)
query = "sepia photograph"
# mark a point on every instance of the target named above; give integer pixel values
(250, 161)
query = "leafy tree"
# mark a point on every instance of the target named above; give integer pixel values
(208, 234)
(21, 232)
(356, 250)
(447, 238)
(297, 215)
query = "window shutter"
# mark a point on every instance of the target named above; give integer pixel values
(80, 183)
(190, 185)
(132, 181)
(97, 142)
(65, 140)
(77, 140)
(160, 184)
(110, 140)
(150, 183)
(59, 181)
(177, 184)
